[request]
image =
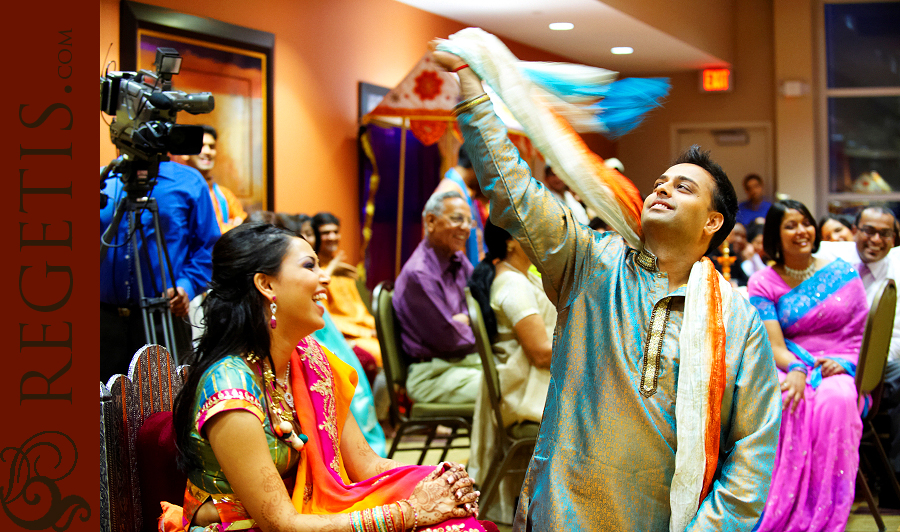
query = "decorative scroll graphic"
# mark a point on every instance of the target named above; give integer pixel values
(31, 498)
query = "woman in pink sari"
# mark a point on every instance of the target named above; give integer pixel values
(815, 313)
(263, 425)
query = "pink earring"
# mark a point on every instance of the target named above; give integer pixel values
(273, 307)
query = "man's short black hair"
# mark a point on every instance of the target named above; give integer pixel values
(878, 209)
(754, 230)
(463, 158)
(724, 198)
(772, 230)
(751, 177)
(209, 130)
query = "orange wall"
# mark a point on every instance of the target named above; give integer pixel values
(322, 51)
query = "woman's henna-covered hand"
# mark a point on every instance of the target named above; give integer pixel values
(444, 494)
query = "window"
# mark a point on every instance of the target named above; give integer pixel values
(860, 84)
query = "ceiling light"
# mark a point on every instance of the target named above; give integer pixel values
(561, 26)
(622, 50)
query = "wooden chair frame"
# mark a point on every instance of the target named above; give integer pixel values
(126, 402)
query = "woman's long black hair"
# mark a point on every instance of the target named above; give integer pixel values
(234, 314)
(482, 277)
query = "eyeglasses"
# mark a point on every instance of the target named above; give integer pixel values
(871, 232)
(460, 220)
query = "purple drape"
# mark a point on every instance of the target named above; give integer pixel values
(423, 164)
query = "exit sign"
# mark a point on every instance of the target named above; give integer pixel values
(715, 80)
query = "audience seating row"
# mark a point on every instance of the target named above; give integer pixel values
(137, 453)
(138, 461)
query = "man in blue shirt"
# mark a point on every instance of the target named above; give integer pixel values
(755, 207)
(189, 227)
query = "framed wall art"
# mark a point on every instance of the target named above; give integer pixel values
(235, 65)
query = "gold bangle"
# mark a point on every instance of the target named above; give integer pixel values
(465, 105)
(402, 517)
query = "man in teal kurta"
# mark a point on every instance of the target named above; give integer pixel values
(605, 455)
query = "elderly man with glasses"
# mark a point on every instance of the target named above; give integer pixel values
(430, 302)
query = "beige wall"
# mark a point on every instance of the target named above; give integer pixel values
(774, 41)
(795, 153)
(322, 51)
(646, 152)
(706, 24)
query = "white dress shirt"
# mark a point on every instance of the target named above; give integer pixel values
(872, 274)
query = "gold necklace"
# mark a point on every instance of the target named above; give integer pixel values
(285, 428)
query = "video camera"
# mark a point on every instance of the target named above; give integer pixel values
(144, 107)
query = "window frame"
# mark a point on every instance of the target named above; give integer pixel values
(823, 170)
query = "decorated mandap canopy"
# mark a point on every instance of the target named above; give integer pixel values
(551, 103)
(408, 139)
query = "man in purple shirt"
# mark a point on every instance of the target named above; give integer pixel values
(430, 303)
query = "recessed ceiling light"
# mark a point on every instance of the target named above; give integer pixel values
(561, 26)
(622, 50)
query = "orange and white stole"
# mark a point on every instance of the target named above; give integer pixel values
(701, 385)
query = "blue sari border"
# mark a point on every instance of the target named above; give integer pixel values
(810, 293)
(814, 376)
(765, 308)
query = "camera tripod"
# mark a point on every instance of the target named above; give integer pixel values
(137, 184)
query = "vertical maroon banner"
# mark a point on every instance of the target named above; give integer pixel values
(49, 379)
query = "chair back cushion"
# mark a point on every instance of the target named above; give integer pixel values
(877, 338)
(388, 329)
(157, 456)
(394, 361)
(486, 352)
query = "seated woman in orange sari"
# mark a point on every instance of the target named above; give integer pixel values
(344, 301)
(262, 423)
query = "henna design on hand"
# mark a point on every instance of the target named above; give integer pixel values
(434, 496)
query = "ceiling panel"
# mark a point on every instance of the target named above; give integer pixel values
(598, 28)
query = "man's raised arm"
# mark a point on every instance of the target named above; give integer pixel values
(548, 233)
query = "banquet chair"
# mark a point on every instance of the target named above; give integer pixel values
(421, 418)
(138, 470)
(511, 441)
(869, 379)
(364, 293)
